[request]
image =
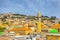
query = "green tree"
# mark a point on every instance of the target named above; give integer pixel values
(59, 22)
(2, 29)
(53, 18)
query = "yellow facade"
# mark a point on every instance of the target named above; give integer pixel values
(53, 37)
(58, 37)
(39, 26)
(49, 37)
(21, 31)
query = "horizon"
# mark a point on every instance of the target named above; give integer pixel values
(31, 7)
(26, 15)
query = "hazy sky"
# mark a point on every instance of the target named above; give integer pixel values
(31, 7)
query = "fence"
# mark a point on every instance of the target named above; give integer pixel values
(53, 37)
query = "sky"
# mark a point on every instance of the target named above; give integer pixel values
(31, 7)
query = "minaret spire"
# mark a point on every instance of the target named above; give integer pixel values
(39, 15)
(39, 22)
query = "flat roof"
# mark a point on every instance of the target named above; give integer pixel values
(22, 36)
(53, 34)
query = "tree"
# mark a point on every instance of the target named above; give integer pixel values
(59, 22)
(2, 29)
(53, 18)
(4, 18)
(46, 16)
